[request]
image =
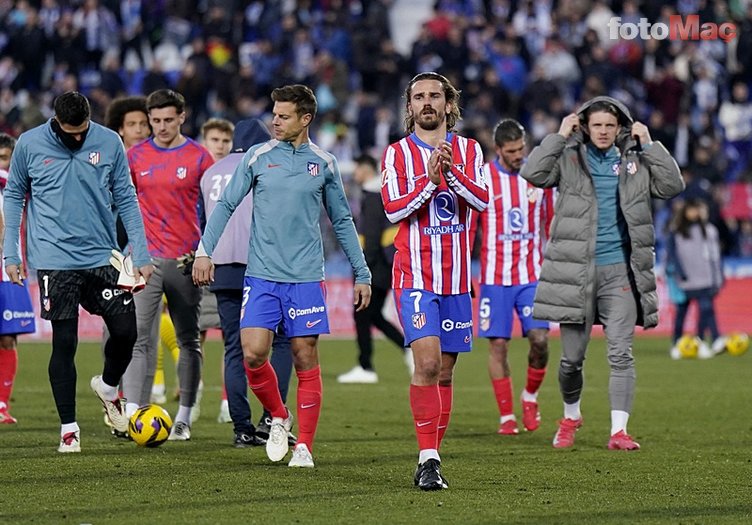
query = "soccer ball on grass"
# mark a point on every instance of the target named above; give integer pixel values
(150, 426)
(737, 343)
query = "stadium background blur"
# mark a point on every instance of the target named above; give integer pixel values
(534, 60)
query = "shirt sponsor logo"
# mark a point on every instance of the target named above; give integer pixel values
(516, 236)
(313, 169)
(515, 219)
(94, 158)
(448, 325)
(9, 315)
(419, 320)
(444, 206)
(292, 313)
(182, 172)
(444, 230)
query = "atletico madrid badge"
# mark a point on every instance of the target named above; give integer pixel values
(94, 158)
(313, 169)
(419, 320)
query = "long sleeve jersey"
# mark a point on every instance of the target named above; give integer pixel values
(433, 248)
(513, 228)
(289, 186)
(70, 222)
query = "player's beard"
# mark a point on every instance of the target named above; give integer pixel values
(429, 125)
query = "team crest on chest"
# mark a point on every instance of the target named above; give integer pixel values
(419, 320)
(94, 158)
(182, 172)
(313, 169)
(615, 168)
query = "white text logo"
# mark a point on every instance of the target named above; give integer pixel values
(678, 28)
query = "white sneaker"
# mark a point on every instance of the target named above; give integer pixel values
(277, 445)
(301, 457)
(674, 353)
(359, 375)
(224, 412)
(719, 345)
(196, 409)
(71, 442)
(181, 431)
(158, 395)
(114, 409)
(704, 351)
(409, 362)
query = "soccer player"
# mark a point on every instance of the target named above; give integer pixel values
(290, 177)
(216, 136)
(599, 264)
(431, 181)
(13, 299)
(167, 171)
(230, 257)
(71, 170)
(517, 215)
(377, 236)
(128, 117)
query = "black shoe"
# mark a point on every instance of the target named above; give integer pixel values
(122, 435)
(244, 440)
(262, 429)
(291, 439)
(428, 476)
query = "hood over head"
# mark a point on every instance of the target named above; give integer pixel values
(248, 133)
(624, 139)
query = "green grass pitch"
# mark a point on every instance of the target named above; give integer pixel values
(691, 417)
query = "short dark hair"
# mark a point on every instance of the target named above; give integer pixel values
(165, 98)
(220, 124)
(605, 107)
(298, 94)
(118, 108)
(508, 130)
(72, 108)
(6, 141)
(451, 95)
(368, 160)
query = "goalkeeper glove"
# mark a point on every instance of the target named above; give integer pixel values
(126, 279)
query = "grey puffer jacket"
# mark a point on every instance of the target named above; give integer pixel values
(566, 285)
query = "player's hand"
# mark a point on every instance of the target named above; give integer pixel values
(16, 273)
(440, 161)
(203, 271)
(640, 132)
(361, 296)
(569, 125)
(144, 271)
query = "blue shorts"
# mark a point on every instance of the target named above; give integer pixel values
(497, 304)
(17, 313)
(448, 317)
(301, 307)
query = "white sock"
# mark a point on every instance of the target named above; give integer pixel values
(428, 453)
(184, 414)
(68, 427)
(528, 397)
(108, 391)
(3, 405)
(572, 410)
(619, 420)
(130, 409)
(504, 419)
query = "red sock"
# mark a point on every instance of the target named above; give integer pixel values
(425, 402)
(8, 367)
(503, 391)
(224, 391)
(534, 379)
(445, 394)
(263, 381)
(309, 404)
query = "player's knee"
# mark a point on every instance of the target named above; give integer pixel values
(621, 360)
(569, 367)
(427, 369)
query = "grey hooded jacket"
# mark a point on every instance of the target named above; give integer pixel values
(565, 290)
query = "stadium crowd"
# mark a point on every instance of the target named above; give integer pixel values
(533, 60)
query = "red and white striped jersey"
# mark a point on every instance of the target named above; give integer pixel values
(513, 228)
(433, 250)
